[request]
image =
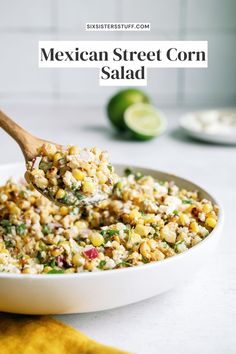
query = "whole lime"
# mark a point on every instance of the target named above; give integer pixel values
(120, 102)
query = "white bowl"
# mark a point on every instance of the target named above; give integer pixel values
(86, 292)
(188, 124)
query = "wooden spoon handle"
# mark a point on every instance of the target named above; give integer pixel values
(27, 142)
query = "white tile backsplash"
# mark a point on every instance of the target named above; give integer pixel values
(19, 70)
(211, 15)
(23, 23)
(217, 82)
(74, 14)
(162, 86)
(25, 14)
(163, 15)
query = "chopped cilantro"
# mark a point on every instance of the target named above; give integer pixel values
(52, 263)
(109, 232)
(187, 201)
(45, 165)
(177, 244)
(20, 229)
(138, 175)
(8, 243)
(74, 187)
(45, 230)
(6, 224)
(102, 264)
(117, 189)
(109, 166)
(79, 196)
(124, 264)
(39, 256)
(42, 246)
(164, 244)
(65, 199)
(56, 271)
(128, 172)
(176, 212)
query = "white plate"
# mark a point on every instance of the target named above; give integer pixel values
(86, 292)
(188, 124)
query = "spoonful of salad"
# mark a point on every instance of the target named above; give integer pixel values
(66, 175)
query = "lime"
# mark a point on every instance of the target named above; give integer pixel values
(144, 121)
(120, 102)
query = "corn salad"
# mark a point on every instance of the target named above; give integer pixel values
(143, 221)
(72, 175)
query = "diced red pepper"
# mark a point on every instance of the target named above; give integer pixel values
(91, 253)
(61, 261)
(33, 163)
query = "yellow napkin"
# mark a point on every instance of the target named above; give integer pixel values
(44, 335)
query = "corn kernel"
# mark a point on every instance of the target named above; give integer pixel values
(134, 239)
(149, 219)
(32, 199)
(77, 260)
(47, 269)
(157, 255)
(48, 149)
(74, 150)
(115, 244)
(102, 178)
(103, 204)
(211, 222)
(88, 187)
(91, 172)
(142, 230)
(152, 244)
(57, 157)
(96, 239)
(26, 271)
(81, 225)
(145, 250)
(41, 183)
(2, 246)
(78, 174)
(70, 270)
(89, 265)
(168, 233)
(64, 210)
(14, 210)
(206, 208)
(134, 215)
(57, 252)
(194, 227)
(60, 193)
(184, 219)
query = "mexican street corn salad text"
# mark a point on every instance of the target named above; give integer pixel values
(142, 221)
(71, 175)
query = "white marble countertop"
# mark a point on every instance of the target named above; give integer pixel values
(198, 317)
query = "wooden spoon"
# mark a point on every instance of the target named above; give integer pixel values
(30, 145)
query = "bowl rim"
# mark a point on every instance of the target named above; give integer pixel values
(156, 264)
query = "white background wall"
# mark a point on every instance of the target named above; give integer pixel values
(24, 22)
